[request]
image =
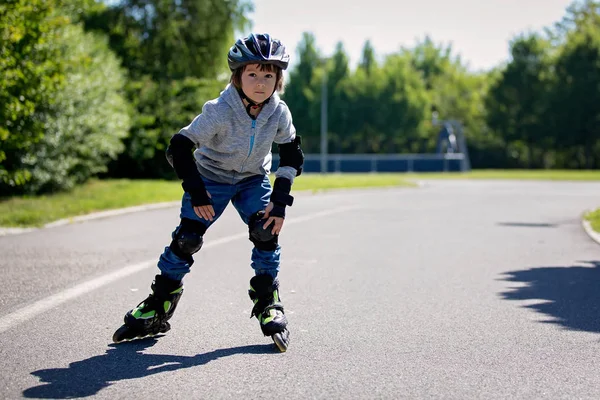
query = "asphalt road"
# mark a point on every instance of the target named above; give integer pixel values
(455, 290)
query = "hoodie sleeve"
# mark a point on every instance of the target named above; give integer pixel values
(286, 132)
(204, 126)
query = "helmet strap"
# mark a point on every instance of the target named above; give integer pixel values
(251, 103)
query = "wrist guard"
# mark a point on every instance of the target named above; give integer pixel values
(195, 187)
(280, 197)
(281, 192)
(277, 211)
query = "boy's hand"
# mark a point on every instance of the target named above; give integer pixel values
(205, 212)
(278, 221)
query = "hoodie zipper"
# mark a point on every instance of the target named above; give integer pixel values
(251, 143)
(252, 137)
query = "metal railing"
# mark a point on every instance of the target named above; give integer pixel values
(420, 162)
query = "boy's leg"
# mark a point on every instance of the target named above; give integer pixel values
(252, 197)
(151, 315)
(187, 238)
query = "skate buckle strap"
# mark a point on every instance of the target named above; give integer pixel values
(264, 307)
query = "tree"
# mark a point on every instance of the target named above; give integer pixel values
(172, 39)
(337, 73)
(367, 59)
(579, 13)
(576, 93)
(432, 61)
(302, 93)
(87, 120)
(454, 92)
(517, 103)
(30, 74)
(402, 106)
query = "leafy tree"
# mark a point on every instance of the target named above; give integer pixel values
(172, 39)
(402, 106)
(30, 74)
(576, 93)
(303, 91)
(337, 74)
(454, 92)
(579, 13)
(87, 120)
(517, 102)
(431, 60)
(38, 66)
(367, 59)
(386, 108)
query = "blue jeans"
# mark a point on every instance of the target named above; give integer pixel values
(248, 196)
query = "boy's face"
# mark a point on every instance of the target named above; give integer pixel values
(258, 82)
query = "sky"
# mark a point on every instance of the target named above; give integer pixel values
(478, 30)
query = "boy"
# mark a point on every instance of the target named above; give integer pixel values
(232, 138)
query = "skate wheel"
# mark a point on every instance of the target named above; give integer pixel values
(126, 333)
(122, 334)
(282, 340)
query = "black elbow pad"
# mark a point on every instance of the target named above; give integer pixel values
(291, 155)
(181, 157)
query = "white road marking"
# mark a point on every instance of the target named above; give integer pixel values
(26, 313)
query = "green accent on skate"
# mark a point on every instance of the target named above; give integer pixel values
(167, 305)
(138, 314)
(271, 317)
(276, 296)
(177, 290)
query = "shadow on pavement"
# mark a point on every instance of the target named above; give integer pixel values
(568, 294)
(122, 361)
(528, 224)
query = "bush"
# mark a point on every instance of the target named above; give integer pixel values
(88, 119)
(31, 72)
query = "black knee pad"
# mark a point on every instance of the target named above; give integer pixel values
(262, 238)
(187, 239)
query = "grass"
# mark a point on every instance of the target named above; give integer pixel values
(553, 175)
(112, 194)
(318, 182)
(93, 196)
(594, 218)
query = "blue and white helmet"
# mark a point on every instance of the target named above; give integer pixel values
(258, 49)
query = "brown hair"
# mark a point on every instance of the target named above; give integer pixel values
(236, 76)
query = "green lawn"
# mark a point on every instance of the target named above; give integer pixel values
(112, 194)
(91, 197)
(594, 218)
(555, 175)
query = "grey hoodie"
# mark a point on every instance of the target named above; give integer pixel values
(230, 146)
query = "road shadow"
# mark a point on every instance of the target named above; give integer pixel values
(568, 294)
(527, 224)
(122, 361)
